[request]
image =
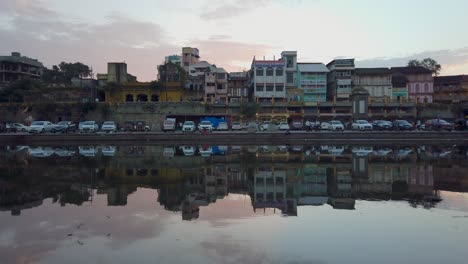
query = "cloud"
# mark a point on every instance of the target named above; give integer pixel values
(228, 53)
(453, 61)
(229, 9)
(54, 38)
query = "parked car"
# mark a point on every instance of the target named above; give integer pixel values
(251, 126)
(336, 125)
(283, 126)
(16, 127)
(361, 125)
(402, 125)
(188, 126)
(265, 125)
(109, 126)
(64, 127)
(236, 126)
(88, 126)
(40, 127)
(141, 126)
(438, 124)
(169, 124)
(87, 151)
(461, 124)
(297, 125)
(382, 125)
(205, 125)
(188, 150)
(222, 126)
(325, 126)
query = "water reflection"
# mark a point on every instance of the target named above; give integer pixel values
(281, 178)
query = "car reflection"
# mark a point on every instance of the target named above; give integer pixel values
(41, 152)
(362, 151)
(108, 151)
(64, 152)
(188, 150)
(205, 151)
(87, 151)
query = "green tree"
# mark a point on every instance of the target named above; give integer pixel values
(16, 91)
(427, 63)
(64, 72)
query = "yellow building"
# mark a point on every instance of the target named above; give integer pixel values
(143, 92)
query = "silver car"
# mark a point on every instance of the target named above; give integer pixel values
(40, 127)
(109, 126)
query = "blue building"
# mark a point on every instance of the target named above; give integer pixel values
(312, 79)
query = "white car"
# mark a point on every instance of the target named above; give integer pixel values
(222, 126)
(205, 151)
(188, 126)
(88, 126)
(361, 125)
(336, 125)
(109, 126)
(205, 125)
(236, 126)
(40, 127)
(16, 127)
(265, 125)
(283, 126)
(325, 126)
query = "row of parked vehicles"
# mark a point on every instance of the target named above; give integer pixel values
(68, 126)
(334, 125)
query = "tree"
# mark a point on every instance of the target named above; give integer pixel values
(64, 72)
(155, 85)
(427, 63)
(16, 91)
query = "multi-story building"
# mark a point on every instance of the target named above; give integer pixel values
(116, 73)
(238, 86)
(176, 59)
(420, 83)
(290, 59)
(451, 89)
(340, 79)
(16, 67)
(189, 56)
(376, 81)
(399, 87)
(268, 80)
(171, 83)
(312, 79)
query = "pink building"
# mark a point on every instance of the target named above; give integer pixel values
(420, 83)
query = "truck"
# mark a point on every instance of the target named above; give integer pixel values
(169, 124)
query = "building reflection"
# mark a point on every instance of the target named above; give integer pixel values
(282, 178)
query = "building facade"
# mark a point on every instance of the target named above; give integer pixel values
(312, 79)
(340, 79)
(238, 87)
(420, 83)
(176, 59)
(451, 89)
(399, 87)
(290, 60)
(376, 81)
(189, 56)
(16, 67)
(268, 81)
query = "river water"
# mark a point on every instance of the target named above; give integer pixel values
(234, 204)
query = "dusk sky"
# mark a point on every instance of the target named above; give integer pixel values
(230, 32)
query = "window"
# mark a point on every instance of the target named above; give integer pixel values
(426, 88)
(279, 88)
(221, 76)
(279, 71)
(269, 88)
(259, 88)
(269, 72)
(289, 77)
(259, 71)
(417, 88)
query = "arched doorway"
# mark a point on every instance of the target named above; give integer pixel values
(129, 98)
(142, 98)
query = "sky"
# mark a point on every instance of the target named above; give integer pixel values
(230, 33)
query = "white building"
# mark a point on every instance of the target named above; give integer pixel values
(290, 59)
(268, 80)
(312, 79)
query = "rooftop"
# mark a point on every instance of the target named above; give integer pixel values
(372, 71)
(312, 67)
(412, 70)
(452, 79)
(17, 58)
